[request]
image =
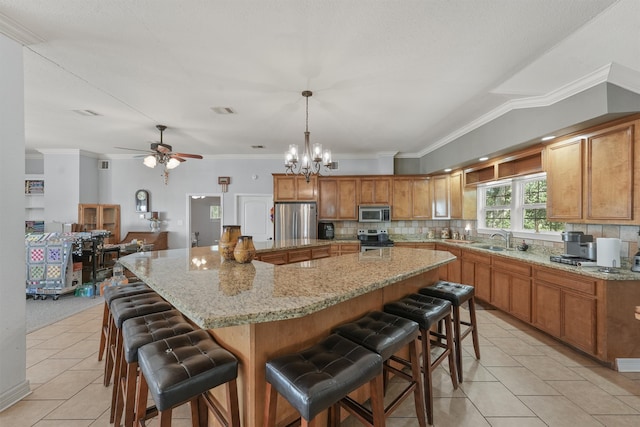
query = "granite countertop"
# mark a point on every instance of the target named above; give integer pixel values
(216, 294)
(272, 245)
(537, 258)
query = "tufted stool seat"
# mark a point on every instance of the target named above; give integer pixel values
(458, 294)
(317, 378)
(427, 311)
(386, 334)
(183, 369)
(137, 332)
(111, 293)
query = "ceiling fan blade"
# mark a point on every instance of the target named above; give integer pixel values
(191, 156)
(173, 156)
(134, 149)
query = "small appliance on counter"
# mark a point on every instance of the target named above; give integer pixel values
(579, 248)
(373, 239)
(326, 231)
(636, 258)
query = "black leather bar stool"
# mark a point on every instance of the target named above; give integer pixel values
(317, 378)
(111, 293)
(386, 334)
(137, 332)
(458, 294)
(122, 309)
(183, 369)
(427, 311)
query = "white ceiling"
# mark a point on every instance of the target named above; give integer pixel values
(400, 76)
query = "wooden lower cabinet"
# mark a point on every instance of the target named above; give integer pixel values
(475, 270)
(511, 287)
(451, 272)
(565, 306)
(289, 256)
(344, 248)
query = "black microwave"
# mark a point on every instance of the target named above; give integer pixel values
(374, 213)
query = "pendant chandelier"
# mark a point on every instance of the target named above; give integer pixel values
(312, 160)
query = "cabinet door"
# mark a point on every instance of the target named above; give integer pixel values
(520, 298)
(483, 281)
(579, 326)
(441, 194)
(284, 188)
(306, 191)
(347, 198)
(457, 195)
(500, 289)
(564, 180)
(547, 308)
(375, 191)
(402, 198)
(109, 219)
(328, 198)
(88, 217)
(451, 272)
(610, 160)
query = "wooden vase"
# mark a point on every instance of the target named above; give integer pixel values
(228, 240)
(244, 251)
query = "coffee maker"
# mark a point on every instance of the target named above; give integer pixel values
(579, 245)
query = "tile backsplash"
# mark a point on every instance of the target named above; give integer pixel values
(628, 234)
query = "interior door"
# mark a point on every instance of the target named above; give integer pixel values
(205, 218)
(254, 216)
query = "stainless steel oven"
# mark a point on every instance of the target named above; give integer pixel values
(373, 239)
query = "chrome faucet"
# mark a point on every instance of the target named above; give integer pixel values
(506, 235)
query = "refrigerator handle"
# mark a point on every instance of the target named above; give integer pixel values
(295, 225)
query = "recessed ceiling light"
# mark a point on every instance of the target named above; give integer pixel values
(447, 170)
(548, 138)
(89, 113)
(482, 159)
(223, 110)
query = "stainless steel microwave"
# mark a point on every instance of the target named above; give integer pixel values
(374, 213)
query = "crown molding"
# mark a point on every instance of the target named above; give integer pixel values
(590, 80)
(18, 32)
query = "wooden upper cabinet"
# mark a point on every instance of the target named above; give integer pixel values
(441, 194)
(294, 188)
(609, 174)
(456, 196)
(338, 198)
(590, 178)
(564, 180)
(375, 191)
(411, 198)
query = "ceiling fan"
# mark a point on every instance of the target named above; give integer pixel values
(161, 153)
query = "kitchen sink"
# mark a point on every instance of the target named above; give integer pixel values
(492, 248)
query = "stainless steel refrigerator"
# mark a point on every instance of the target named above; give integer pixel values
(295, 220)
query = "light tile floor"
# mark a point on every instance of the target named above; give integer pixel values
(524, 379)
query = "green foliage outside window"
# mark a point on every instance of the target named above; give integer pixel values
(498, 196)
(535, 217)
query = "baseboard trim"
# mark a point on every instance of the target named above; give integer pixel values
(14, 395)
(628, 365)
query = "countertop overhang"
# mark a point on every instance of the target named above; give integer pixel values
(216, 294)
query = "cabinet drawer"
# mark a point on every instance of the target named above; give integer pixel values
(512, 266)
(476, 257)
(321, 252)
(298, 255)
(576, 283)
(277, 258)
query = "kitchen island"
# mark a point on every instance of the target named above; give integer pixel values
(260, 311)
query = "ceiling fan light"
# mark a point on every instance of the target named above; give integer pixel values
(172, 163)
(150, 161)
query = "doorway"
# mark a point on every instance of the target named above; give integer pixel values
(254, 214)
(205, 219)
